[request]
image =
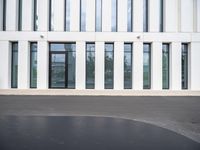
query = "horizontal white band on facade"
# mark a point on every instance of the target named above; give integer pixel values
(105, 36)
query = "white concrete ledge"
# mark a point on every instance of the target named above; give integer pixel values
(71, 92)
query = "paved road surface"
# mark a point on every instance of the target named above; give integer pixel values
(179, 114)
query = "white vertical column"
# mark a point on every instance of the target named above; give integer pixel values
(138, 66)
(74, 15)
(59, 15)
(80, 65)
(154, 11)
(198, 16)
(11, 15)
(106, 15)
(175, 66)
(171, 16)
(23, 65)
(5, 65)
(186, 16)
(193, 66)
(99, 65)
(43, 65)
(1, 15)
(138, 15)
(122, 15)
(90, 15)
(27, 15)
(43, 15)
(119, 65)
(156, 62)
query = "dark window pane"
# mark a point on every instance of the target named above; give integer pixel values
(98, 15)
(20, 15)
(83, 15)
(90, 65)
(130, 16)
(4, 15)
(51, 15)
(145, 15)
(114, 16)
(109, 65)
(71, 69)
(58, 70)
(161, 15)
(33, 65)
(165, 66)
(184, 66)
(127, 66)
(147, 66)
(35, 15)
(14, 71)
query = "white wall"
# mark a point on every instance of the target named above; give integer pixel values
(194, 66)
(5, 65)
(186, 16)
(172, 35)
(27, 17)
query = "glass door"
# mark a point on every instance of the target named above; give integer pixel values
(57, 70)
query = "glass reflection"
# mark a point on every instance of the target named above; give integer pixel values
(98, 15)
(33, 65)
(165, 67)
(51, 13)
(130, 13)
(62, 65)
(127, 66)
(90, 65)
(114, 16)
(67, 15)
(109, 65)
(35, 15)
(145, 15)
(184, 66)
(14, 71)
(147, 66)
(83, 15)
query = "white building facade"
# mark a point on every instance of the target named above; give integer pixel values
(100, 44)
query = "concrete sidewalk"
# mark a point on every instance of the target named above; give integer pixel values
(179, 114)
(72, 92)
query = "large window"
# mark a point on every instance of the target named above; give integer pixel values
(90, 65)
(161, 20)
(165, 66)
(4, 15)
(98, 15)
(67, 15)
(109, 65)
(130, 16)
(14, 66)
(33, 65)
(147, 66)
(184, 66)
(35, 15)
(51, 15)
(62, 65)
(114, 16)
(145, 15)
(127, 66)
(20, 15)
(82, 15)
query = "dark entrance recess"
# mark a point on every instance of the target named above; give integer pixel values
(87, 133)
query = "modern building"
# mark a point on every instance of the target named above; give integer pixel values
(100, 44)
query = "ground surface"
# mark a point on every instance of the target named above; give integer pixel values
(179, 114)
